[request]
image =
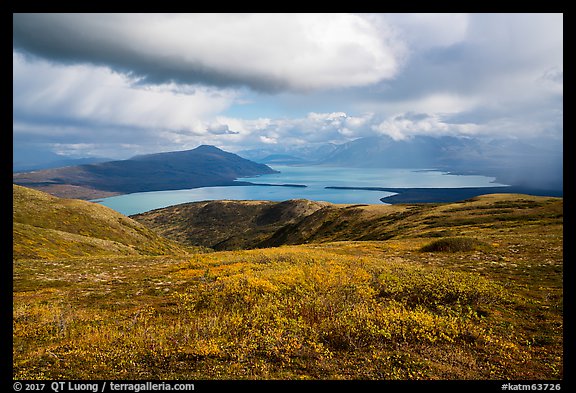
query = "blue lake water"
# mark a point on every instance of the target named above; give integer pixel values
(315, 178)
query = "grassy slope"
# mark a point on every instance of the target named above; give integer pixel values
(226, 225)
(240, 224)
(349, 309)
(49, 227)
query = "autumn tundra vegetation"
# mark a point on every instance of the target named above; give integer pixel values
(466, 290)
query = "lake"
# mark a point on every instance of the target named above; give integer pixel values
(315, 178)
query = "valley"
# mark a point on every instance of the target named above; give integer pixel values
(300, 290)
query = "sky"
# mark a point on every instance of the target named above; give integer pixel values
(118, 85)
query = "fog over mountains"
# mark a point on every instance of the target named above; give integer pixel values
(532, 163)
(31, 159)
(472, 93)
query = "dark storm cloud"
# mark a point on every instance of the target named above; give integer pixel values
(217, 50)
(152, 82)
(66, 39)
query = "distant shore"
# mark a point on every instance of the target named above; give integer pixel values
(439, 195)
(402, 195)
(276, 185)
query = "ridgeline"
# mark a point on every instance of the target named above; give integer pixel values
(467, 290)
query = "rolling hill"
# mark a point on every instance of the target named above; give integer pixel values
(200, 167)
(229, 225)
(225, 225)
(469, 290)
(47, 227)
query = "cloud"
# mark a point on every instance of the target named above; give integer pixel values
(220, 129)
(125, 84)
(406, 125)
(553, 80)
(97, 95)
(268, 140)
(501, 72)
(422, 31)
(314, 128)
(494, 54)
(267, 52)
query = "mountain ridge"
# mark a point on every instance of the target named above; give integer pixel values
(530, 163)
(200, 167)
(232, 225)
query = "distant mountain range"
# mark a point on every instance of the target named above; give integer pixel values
(285, 154)
(534, 165)
(200, 167)
(512, 162)
(26, 158)
(530, 164)
(418, 152)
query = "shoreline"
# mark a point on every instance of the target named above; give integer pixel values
(277, 185)
(402, 194)
(442, 195)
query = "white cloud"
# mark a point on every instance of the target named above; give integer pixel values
(441, 103)
(263, 51)
(422, 31)
(268, 140)
(73, 149)
(99, 96)
(156, 82)
(405, 125)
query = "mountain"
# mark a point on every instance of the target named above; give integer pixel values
(26, 158)
(290, 155)
(230, 225)
(282, 159)
(200, 167)
(47, 227)
(385, 152)
(530, 164)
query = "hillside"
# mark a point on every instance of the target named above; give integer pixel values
(200, 167)
(470, 290)
(48, 227)
(228, 225)
(225, 225)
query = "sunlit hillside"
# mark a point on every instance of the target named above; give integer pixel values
(470, 290)
(45, 226)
